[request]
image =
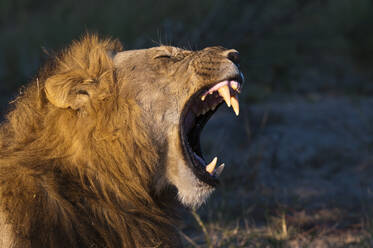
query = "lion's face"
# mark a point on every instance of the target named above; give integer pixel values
(178, 91)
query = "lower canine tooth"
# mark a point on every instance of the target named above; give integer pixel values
(219, 170)
(235, 104)
(211, 166)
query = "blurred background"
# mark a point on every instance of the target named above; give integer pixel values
(299, 158)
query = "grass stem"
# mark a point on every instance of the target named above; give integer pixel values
(203, 227)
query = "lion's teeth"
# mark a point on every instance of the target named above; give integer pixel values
(224, 92)
(211, 166)
(219, 170)
(235, 104)
(234, 85)
(203, 98)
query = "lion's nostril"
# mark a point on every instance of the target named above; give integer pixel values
(234, 56)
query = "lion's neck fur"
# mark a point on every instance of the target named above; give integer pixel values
(59, 155)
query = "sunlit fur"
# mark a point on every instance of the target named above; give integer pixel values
(52, 202)
(90, 149)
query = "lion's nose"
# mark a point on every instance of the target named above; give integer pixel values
(233, 55)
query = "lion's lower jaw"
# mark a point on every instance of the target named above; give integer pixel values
(192, 192)
(195, 197)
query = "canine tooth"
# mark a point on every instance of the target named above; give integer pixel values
(203, 98)
(211, 166)
(219, 170)
(235, 104)
(224, 92)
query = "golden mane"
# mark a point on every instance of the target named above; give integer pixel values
(46, 139)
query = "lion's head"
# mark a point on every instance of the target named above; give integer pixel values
(176, 92)
(98, 137)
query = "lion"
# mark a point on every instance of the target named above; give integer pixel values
(102, 146)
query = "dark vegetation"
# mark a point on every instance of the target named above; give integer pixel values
(300, 155)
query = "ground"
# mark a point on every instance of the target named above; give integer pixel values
(298, 174)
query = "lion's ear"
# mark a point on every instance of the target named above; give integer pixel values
(67, 91)
(83, 74)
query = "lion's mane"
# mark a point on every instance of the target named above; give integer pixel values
(52, 154)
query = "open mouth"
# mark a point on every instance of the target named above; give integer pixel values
(198, 110)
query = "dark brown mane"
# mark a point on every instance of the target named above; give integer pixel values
(62, 154)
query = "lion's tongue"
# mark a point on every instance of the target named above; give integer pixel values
(211, 167)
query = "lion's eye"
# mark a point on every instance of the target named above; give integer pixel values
(163, 56)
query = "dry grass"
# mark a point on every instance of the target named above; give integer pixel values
(279, 232)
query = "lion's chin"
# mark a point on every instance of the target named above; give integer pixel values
(192, 192)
